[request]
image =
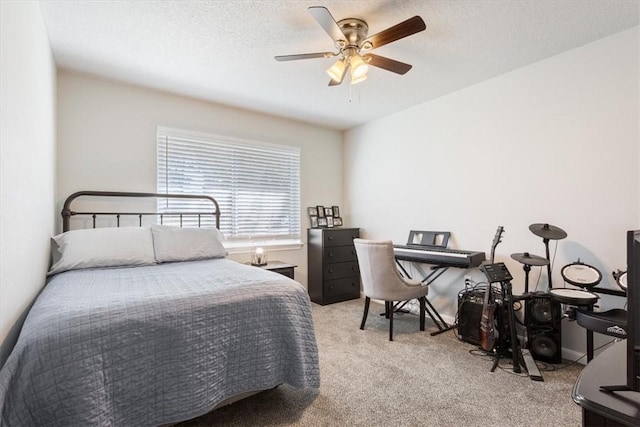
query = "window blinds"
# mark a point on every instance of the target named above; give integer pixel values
(257, 185)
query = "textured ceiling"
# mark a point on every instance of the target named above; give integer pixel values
(223, 51)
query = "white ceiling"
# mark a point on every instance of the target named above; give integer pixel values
(223, 51)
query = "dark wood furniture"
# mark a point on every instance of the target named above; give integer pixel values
(601, 408)
(283, 268)
(334, 275)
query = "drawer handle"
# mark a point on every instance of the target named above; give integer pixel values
(330, 237)
(330, 254)
(330, 271)
(353, 284)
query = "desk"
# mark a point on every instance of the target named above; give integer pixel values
(607, 409)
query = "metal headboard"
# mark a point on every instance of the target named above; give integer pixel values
(67, 213)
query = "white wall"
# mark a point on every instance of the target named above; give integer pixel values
(27, 155)
(107, 141)
(555, 142)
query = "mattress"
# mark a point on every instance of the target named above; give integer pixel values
(157, 344)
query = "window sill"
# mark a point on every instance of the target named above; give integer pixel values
(247, 247)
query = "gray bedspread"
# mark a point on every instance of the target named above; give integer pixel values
(156, 345)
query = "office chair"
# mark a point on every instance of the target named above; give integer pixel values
(381, 280)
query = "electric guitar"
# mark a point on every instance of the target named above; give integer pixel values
(488, 332)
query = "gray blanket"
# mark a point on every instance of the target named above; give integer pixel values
(156, 345)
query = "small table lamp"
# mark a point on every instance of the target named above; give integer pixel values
(259, 257)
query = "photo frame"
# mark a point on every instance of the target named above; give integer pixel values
(314, 221)
(322, 221)
(320, 210)
(312, 211)
(337, 222)
(336, 211)
(328, 212)
(330, 221)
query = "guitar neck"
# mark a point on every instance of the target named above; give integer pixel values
(496, 241)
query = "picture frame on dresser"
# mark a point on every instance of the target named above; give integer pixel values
(312, 211)
(320, 210)
(322, 221)
(337, 221)
(330, 221)
(336, 211)
(314, 221)
(328, 212)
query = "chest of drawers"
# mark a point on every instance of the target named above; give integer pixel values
(334, 275)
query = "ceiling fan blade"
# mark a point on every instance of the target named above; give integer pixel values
(326, 21)
(397, 32)
(334, 83)
(305, 56)
(387, 63)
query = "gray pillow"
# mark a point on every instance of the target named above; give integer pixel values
(187, 244)
(102, 247)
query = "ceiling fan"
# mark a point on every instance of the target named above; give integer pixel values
(350, 38)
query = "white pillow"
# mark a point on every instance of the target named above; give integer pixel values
(102, 247)
(187, 244)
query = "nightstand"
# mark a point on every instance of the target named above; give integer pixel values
(283, 268)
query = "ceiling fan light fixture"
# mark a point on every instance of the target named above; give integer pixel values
(337, 70)
(359, 69)
(358, 79)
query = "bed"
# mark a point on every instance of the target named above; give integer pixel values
(153, 343)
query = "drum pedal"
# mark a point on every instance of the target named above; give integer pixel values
(532, 368)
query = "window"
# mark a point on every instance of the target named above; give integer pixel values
(256, 184)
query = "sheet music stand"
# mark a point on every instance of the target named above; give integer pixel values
(438, 239)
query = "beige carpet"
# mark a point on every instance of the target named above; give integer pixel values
(417, 380)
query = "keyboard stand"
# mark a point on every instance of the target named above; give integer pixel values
(430, 309)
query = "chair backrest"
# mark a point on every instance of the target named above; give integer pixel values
(380, 277)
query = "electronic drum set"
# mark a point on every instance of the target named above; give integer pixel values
(580, 301)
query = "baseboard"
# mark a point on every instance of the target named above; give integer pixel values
(573, 355)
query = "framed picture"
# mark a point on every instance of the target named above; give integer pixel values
(328, 211)
(337, 222)
(314, 221)
(336, 212)
(330, 221)
(312, 211)
(322, 221)
(320, 210)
